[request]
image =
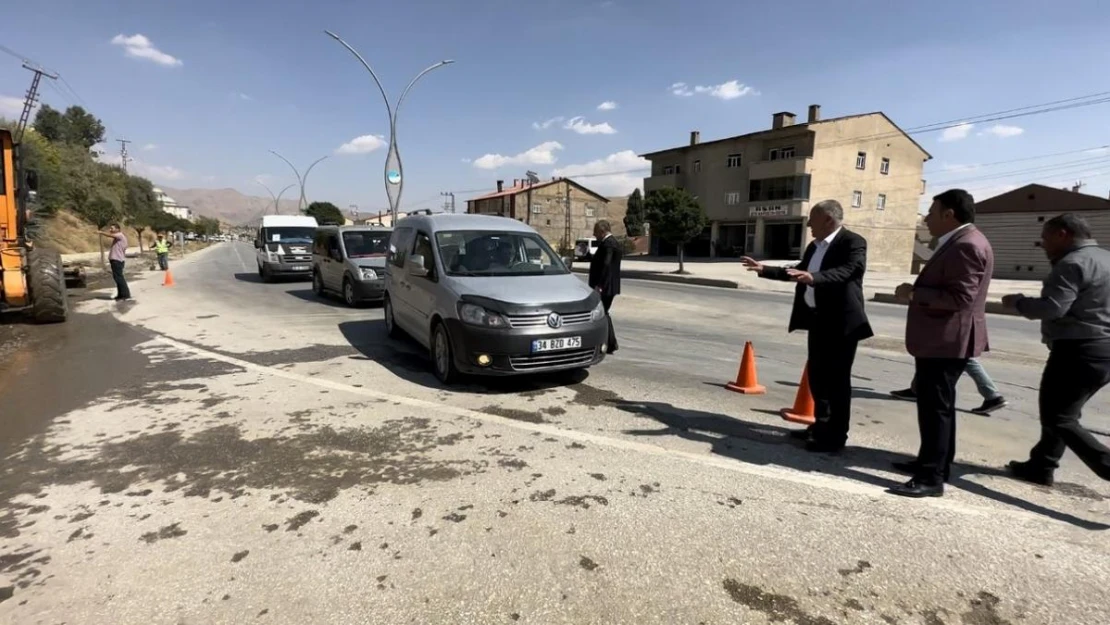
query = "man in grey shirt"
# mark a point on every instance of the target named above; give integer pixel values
(1074, 311)
(116, 258)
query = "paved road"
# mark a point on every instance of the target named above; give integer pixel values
(227, 451)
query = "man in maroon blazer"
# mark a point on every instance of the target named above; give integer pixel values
(945, 326)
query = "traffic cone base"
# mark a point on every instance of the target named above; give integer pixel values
(803, 410)
(169, 279)
(747, 381)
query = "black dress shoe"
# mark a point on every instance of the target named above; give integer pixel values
(823, 447)
(1031, 472)
(802, 435)
(917, 490)
(910, 468)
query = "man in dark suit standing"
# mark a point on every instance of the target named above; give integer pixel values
(605, 272)
(828, 303)
(946, 325)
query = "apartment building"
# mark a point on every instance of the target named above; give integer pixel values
(543, 205)
(757, 188)
(1012, 222)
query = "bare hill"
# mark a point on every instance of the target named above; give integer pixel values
(228, 205)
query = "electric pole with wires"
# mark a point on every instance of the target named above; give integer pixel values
(448, 201)
(123, 158)
(32, 97)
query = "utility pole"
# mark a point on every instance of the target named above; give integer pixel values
(32, 97)
(123, 153)
(448, 204)
(532, 178)
(566, 232)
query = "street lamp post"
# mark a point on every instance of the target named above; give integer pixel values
(276, 198)
(301, 180)
(394, 180)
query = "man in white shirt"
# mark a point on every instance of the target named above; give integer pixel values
(828, 303)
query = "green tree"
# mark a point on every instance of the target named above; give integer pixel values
(101, 212)
(50, 123)
(325, 212)
(82, 128)
(675, 216)
(139, 205)
(634, 217)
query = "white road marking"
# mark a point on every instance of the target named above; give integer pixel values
(734, 465)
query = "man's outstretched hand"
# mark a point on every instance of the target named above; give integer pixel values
(751, 263)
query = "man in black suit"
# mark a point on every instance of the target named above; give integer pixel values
(828, 303)
(605, 272)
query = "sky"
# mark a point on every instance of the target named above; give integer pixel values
(205, 89)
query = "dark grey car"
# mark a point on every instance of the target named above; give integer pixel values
(350, 261)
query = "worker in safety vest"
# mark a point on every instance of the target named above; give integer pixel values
(162, 248)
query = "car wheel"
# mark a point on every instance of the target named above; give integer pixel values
(266, 275)
(442, 358)
(349, 293)
(390, 323)
(317, 284)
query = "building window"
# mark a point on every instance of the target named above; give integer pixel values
(884, 166)
(778, 154)
(732, 198)
(589, 210)
(861, 160)
(536, 208)
(735, 160)
(1040, 220)
(784, 188)
(881, 204)
(857, 199)
(1036, 243)
(668, 170)
(678, 169)
(697, 166)
(549, 222)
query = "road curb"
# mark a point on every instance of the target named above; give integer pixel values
(669, 277)
(995, 308)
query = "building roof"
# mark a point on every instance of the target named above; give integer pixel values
(522, 188)
(795, 126)
(1038, 198)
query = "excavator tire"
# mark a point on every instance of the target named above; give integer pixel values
(47, 286)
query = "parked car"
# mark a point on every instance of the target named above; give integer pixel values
(584, 249)
(488, 296)
(350, 261)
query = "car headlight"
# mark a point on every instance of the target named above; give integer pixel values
(598, 312)
(368, 273)
(478, 316)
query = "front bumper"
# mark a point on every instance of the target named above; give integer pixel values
(511, 349)
(369, 290)
(288, 269)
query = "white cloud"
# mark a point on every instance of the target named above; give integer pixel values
(362, 145)
(1002, 131)
(140, 47)
(1098, 151)
(957, 132)
(681, 89)
(582, 127)
(607, 105)
(544, 125)
(157, 173)
(958, 167)
(466, 160)
(729, 90)
(616, 174)
(150, 146)
(11, 106)
(542, 154)
(242, 96)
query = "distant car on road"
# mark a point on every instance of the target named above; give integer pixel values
(584, 249)
(488, 296)
(284, 246)
(350, 260)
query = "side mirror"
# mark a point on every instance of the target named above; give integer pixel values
(32, 177)
(258, 244)
(416, 266)
(568, 261)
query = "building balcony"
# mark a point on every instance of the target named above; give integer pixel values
(778, 169)
(654, 183)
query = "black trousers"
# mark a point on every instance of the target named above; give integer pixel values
(936, 416)
(607, 302)
(122, 290)
(831, 356)
(1075, 371)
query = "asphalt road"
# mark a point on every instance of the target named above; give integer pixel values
(225, 450)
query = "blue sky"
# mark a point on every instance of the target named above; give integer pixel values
(212, 86)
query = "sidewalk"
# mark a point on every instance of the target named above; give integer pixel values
(731, 273)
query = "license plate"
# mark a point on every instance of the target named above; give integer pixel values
(552, 345)
(300, 267)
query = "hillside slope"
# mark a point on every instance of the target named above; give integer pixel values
(229, 205)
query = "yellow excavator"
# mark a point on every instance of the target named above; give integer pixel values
(32, 279)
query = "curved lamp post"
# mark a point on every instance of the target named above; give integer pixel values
(276, 198)
(300, 179)
(394, 181)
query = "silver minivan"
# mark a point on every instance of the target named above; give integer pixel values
(350, 261)
(488, 296)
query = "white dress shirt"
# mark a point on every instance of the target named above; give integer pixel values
(942, 239)
(815, 261)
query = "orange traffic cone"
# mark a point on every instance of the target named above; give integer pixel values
(746, 379)
(169, 279)
(803, 410)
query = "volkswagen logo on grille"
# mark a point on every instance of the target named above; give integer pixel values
(554, 320)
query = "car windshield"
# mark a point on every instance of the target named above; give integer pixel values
(492, 253)
(289, 234)
(364, 244)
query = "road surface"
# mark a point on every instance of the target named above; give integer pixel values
(226, 451)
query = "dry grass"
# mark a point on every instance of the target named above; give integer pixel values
(69, 234)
